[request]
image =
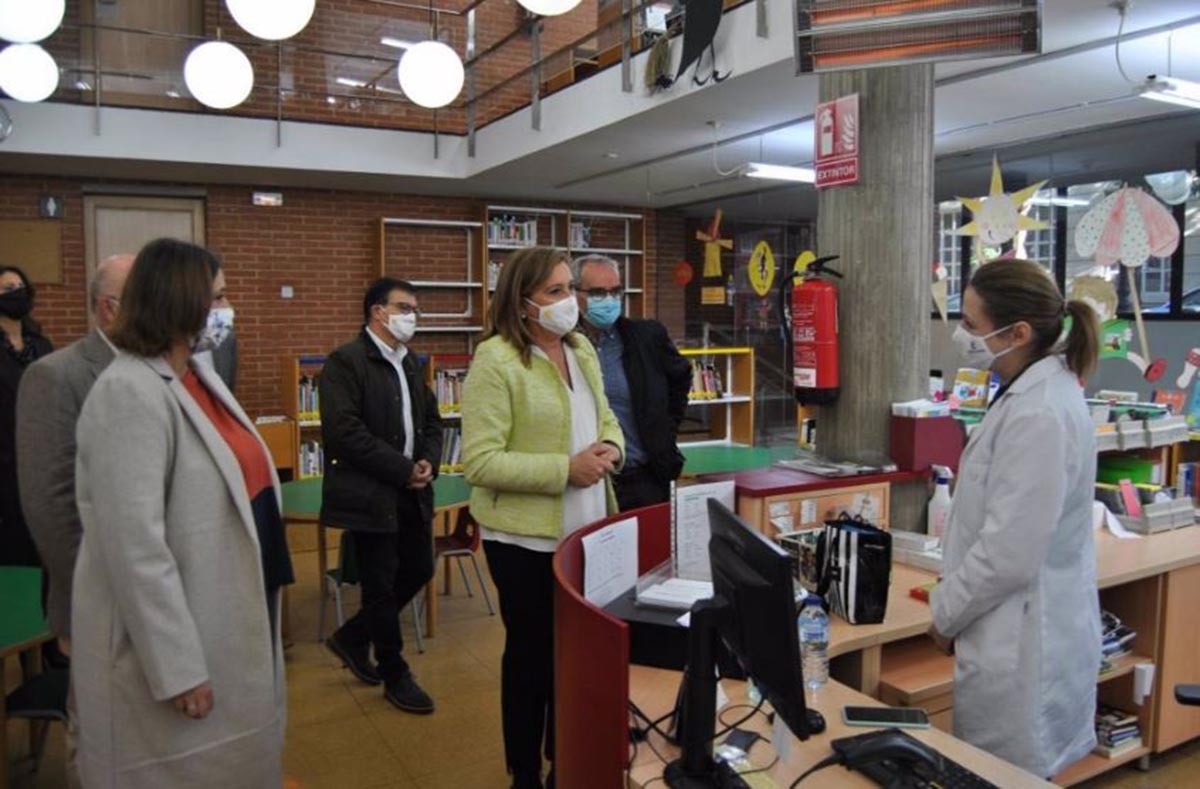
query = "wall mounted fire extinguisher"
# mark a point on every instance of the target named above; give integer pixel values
(813, 335)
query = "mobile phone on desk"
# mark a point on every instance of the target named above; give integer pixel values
(898, 717)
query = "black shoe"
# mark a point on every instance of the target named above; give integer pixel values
(406, 694)
(357, 659)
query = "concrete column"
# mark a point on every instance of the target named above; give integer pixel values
(883, 229)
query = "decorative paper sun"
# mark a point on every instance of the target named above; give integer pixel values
(998, 217)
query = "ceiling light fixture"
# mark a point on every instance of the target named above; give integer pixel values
(1171, 90)
(1065, 202)
(397, 43)
(27, 72)
(431, 74)
(25, 22)
(272, 20)
(779, 172)
(218, 75)
(350, 82)
(548, 7)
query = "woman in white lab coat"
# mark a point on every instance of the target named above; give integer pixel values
(1018, 602)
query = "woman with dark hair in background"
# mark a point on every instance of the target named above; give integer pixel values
(21, 344)
(176, 651)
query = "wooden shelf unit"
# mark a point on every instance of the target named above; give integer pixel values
(305, 424)
(730, 416)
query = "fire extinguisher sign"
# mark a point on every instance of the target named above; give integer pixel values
(836, 144)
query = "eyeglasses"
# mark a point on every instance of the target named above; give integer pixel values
(603, 293)
(405, 309)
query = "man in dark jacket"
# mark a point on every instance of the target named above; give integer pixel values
(645, 379)
(383, 444)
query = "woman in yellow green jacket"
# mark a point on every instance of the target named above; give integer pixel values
(539, 446)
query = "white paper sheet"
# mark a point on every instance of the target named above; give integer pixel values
(689, 544)
(1102, 516)
(610, 561)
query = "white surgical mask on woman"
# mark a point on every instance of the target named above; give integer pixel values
(216, 329)
(974, 349)
(558, 318)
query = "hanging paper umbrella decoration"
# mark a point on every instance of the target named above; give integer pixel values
(700, 21)
(1128, 227)
(997, 217)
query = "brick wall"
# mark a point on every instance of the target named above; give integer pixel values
(322, 243)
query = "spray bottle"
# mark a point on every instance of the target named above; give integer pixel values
(939, 502)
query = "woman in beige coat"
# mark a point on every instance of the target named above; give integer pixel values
(176, 665)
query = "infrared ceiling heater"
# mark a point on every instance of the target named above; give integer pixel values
(833, 35)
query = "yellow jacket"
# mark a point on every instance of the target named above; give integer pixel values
(516, 436)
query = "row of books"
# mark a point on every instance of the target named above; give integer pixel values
(447, 385)
(1117, 731)
(309, 397)
(509, 230)
(706, 382)
(312, 459)
(451, 451)
(1116, 637)
(1186, 482)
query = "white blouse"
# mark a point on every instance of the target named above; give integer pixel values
(580, 506)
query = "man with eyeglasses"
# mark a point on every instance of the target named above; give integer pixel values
(383, 443)
(646, 381)
(48, 403)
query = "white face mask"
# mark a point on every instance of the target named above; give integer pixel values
(558, 318)
(216, 329)
(974, 350)
(402, 327)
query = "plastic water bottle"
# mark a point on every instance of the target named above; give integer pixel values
(814, 642)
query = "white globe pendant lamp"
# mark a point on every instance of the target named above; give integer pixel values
(218, 75)
(272, 20)
(548, 7)
(27, 72)
(29, 21)
(431, 74)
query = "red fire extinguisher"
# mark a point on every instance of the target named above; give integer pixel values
(814, 333)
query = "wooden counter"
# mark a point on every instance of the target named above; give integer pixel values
(653, 690)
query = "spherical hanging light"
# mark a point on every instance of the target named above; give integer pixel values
(27, 21)
(431, 74)
(218, 74)
(27, 72)
(548, 7)
(271, 19)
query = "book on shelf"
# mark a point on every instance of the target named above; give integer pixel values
(706, 382)
(451, 461)
(493, 273)
(312, 459)
(580, 236)
(309, 398)
(510, 231)
(1113, 751)
(448, 386)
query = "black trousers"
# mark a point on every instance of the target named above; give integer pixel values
(525, 582)
(640, 488)
(392, 569)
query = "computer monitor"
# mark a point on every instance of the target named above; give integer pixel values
(753, 611)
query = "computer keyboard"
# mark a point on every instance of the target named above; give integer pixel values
(921, 775)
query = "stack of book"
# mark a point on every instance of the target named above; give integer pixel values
(510, 231)
(706, 382)
(309, 398)
(312, 459)
(1117, 731)
(1117, 640)
(448, 388)
(451, 451)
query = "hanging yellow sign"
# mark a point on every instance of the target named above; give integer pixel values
(762, 268)
(803, 261)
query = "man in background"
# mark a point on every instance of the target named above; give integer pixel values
(646, 381)
(383, 445)
(48, 403)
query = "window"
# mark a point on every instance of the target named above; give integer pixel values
(949, 250)
(1038, 245)
(1191, 258)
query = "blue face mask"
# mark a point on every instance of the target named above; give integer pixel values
(603, 311)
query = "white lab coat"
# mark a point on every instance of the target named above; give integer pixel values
(1019, 594)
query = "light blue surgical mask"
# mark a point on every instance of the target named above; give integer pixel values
(603, 311)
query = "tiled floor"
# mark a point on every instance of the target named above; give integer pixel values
(343, 735)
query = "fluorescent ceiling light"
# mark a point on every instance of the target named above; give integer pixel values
(778, 172)
(1171, 90)
(1067, 202)
(350, 82)
(398, 43)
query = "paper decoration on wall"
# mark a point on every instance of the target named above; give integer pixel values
(683, 274)
(1116, 334)
(700, 21)
(713, 244)
(1190, 365)
(712, 295)
(803, 260)
(1173, 188)
(997, 217)
(762, 268)
(941, 291)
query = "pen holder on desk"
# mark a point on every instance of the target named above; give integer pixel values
(918, 443)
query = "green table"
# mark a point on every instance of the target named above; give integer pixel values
(720, 459)
(22, 629)
(302, 498)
